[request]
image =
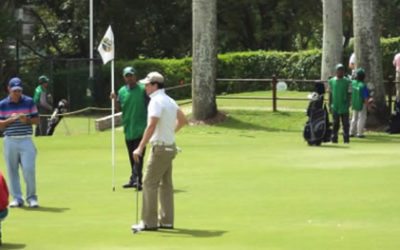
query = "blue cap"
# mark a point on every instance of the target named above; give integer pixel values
(15, 83)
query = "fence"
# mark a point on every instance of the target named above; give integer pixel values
(69, 79)
(389, 89)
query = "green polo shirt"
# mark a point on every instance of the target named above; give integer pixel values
(134, 110)
(340, 89)
(37, 94)
(357, 100)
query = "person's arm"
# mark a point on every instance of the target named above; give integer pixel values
(329, 91)
(366, 97)
(352, 61)
(349, 91)
(180, 120)
(44, 103)
(114, 98)
(29, 120)
(4, 123)
(149, 131)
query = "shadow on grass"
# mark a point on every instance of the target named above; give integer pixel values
(335, 146)
(177, 191)
(12, 246)
(271, 122)
(379, 138)
(191, 232)
(46, 209)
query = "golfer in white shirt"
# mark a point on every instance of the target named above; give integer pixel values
(164, 119)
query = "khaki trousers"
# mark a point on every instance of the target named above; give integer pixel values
(358, 120)
(157, 185)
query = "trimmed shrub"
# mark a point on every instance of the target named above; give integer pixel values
(71, 80)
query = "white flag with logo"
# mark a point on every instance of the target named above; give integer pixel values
(106, 47)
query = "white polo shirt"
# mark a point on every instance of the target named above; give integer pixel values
(165, 108)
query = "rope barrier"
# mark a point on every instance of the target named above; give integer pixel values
(79, 111)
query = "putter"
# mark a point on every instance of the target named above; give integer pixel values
(135, 230)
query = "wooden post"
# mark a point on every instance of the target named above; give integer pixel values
(274, 82)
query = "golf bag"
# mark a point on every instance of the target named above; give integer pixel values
(56, 116)
(317, 128)
(394, 122)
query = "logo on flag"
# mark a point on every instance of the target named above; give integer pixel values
(107, 44)
(106, 47)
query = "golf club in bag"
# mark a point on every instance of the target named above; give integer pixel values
(318, 128)
(56, 116)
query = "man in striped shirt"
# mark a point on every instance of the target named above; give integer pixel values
(17, 114)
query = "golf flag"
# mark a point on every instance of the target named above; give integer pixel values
(106, 47)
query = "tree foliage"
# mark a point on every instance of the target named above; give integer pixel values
(162, 28)
(6, 27)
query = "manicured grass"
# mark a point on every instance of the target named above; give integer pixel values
(260, 104)
(248, 183)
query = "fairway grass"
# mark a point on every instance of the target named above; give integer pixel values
(250, 182)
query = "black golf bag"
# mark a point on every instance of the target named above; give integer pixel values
(394, 122)
(317, 128)
(56, 116)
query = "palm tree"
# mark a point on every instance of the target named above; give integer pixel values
(368, 54)
(332, 48)
(204, 64)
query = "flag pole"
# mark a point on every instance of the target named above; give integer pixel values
(91, 39)
(112, 127)
(107, 53)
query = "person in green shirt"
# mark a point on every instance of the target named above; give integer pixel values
(132, 101)
(339, 88)
(359, 104)
(43, 101)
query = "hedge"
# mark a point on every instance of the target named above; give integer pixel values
(73, 79)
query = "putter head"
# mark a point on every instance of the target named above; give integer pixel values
(136, 228)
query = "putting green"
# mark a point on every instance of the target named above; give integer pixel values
(248, 183)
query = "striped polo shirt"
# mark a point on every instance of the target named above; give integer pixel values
(26, 106)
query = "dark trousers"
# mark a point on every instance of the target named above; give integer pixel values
(336, 126)
(41, 128)
(136, 167)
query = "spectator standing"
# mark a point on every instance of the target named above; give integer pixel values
(396, 64)
(18, 113)
(132, 101)
(359, 103)
(353, 65)
(43, 102)
(339, 88)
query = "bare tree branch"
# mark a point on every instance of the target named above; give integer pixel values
(52, 40)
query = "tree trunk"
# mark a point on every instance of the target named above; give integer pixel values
(368, 55)
(204, 66)
(332, 47)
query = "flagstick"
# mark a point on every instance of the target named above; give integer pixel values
(106, 50)
(112, 127)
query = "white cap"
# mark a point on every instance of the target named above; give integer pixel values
(153, 77)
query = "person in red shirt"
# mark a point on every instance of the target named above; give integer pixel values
(3, 201)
